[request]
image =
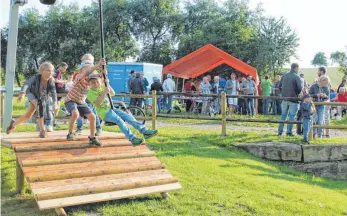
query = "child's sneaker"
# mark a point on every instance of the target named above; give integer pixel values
(43, 134)
(78, 132)
(94, 141)
(150, 133)
(70, 137)
(98, 132)
(10, 128)
(136, 141)
(49, 128)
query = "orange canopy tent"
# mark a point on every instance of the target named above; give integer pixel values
(204, 59)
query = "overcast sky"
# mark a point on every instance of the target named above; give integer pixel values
(320, 24)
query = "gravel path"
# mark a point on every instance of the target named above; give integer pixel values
(333, 133)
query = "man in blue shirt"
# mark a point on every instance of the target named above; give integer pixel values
(222, 82)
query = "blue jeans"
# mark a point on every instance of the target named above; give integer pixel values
(250, 105)
(80, 121)
(119, 117)
(137, 102)
(276, 107)
(306, 128)
(319, 120)
(288, 109)
(168, 100)
(265, 107)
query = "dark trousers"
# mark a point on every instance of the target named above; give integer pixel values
(136, 102)
(188, 105)
(242, 106)
(299, 129)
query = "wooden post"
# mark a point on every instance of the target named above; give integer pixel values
(310, 135)
(2, 106)
(60, 212)
(19, 178)
(224, 115)
(166, 195)
(154, 110)
(183, 85)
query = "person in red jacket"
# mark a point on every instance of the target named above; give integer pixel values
(341, 97)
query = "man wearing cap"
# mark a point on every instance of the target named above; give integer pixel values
(97, 95)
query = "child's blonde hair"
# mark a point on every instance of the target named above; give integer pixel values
(87, 58)
(46, 65)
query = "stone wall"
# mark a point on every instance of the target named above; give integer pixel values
(328, 161)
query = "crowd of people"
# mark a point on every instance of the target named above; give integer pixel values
(86, 97)
(288, 85)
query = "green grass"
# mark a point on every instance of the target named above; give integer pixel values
(333, 73)
(216, 181)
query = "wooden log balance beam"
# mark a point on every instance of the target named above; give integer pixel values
(64, 173)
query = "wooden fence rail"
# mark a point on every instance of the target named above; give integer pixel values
(223, 117)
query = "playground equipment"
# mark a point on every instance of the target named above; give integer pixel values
(64, 173)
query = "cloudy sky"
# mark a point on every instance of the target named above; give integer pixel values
(320, 24)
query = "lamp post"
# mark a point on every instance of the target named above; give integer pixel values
(11, 57)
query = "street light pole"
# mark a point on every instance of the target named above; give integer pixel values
(11, 62)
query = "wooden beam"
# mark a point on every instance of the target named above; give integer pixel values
(37, 177)
(40, 162)
(84, 180)
(85, 165)
(65, 146)
(100, 197)
(224, 115)
(102, 187)
(154, 110)
(227, 119)
(60, 212)
(19, 178)
(330, 126)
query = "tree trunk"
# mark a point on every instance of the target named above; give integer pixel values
(36, 63)
(17, 79)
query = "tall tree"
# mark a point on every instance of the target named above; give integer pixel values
(154, 22)
(340, 58)
(274, 42)
(320, 59)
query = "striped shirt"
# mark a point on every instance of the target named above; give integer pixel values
(79, 91)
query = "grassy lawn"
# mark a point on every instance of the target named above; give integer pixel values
(217, 179)
(333, 73)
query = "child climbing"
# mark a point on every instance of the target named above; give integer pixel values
(75, 99)
(97, 95)
(37, 88)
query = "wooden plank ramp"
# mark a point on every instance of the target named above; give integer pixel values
(64, 173)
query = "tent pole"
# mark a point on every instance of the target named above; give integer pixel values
(183, 85)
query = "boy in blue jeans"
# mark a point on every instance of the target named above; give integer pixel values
(97, 95)
(307, 109)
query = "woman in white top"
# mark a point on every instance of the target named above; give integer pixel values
(232, 87)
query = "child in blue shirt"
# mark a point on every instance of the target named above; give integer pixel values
(307, 109)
